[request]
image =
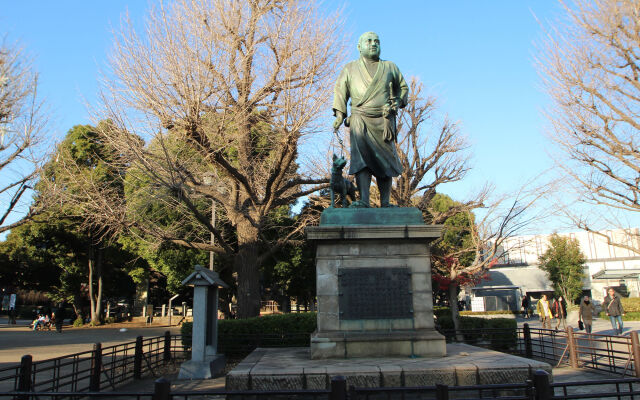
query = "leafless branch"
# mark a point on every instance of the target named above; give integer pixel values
(22, 132)
(589, 64)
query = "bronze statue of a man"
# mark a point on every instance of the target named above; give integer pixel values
(376, 89)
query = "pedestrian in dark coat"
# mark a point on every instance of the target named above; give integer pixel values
(586, 313)
(560, 312)
(59, 318)
(613, 307)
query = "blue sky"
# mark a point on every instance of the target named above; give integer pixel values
(477, 57)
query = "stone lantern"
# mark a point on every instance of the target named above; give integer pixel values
(205, 361)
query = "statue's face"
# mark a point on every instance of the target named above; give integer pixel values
(369, 45)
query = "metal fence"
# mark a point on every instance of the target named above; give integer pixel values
(539, 388)
(95, 369)
(615, 354)
(85, 374)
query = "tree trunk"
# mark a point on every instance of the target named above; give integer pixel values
(245, 263)
(455, 314)
(77, 310)
(91, 264)
(98, 273)
(95, 272)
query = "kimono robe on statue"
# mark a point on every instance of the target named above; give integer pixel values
(372, 131)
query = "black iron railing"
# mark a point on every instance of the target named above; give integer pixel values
(106, 368)
(615, 354)
(93, 370)
(539, 388)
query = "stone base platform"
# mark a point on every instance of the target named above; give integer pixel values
(292, 368)
(419, 342)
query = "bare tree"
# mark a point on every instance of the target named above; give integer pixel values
(428, 159)
(472, 245)
(591, 72)
(22, 127)
(433, 151)
(221, 92)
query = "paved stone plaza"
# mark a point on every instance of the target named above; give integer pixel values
(292, 368)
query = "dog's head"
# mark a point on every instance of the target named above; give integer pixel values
(339, 162)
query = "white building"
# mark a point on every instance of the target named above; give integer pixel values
(517, 273)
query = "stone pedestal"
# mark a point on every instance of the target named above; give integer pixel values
(374, 285)
(292, 369)
(205, 361)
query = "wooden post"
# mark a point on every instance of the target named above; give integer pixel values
(162, 389)
(137, 359)
(442, 392)
(167, 346)
(96, 367)
(541, 384)
(528, 347)
(338, 388)
(635, 348)
(573, 349)
(24, 379)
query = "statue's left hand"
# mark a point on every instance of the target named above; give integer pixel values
(338, 121)
(389, 109)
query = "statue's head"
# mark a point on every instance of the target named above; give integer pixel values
(369, 45)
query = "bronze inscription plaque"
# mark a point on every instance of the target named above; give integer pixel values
(375, 293)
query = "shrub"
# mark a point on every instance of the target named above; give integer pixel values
(186, 330)
(78, 322)
(507, 338)
(630, 304)
(439, 311)
(241, 336)
(477, 330)
(472, 328)
(629, 316)
(27, 311)
(444, 322)
(500, 312)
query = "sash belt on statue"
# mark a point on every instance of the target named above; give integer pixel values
(389, 133)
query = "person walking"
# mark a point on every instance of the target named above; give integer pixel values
(544, 311)
(613, 307)
(525, 307)
(560, 312)
(586, 312)
(59, 318)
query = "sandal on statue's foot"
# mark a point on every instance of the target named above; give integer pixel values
(359, 204)
(389, 205)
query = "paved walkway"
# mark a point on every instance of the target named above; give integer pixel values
(600, 326)
(18, 340)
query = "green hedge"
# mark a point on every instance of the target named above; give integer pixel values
(241, 336)
(439, 311)
(501, 312)
(237, 337)
(630, 304)
(629, 316)
(476, 330)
